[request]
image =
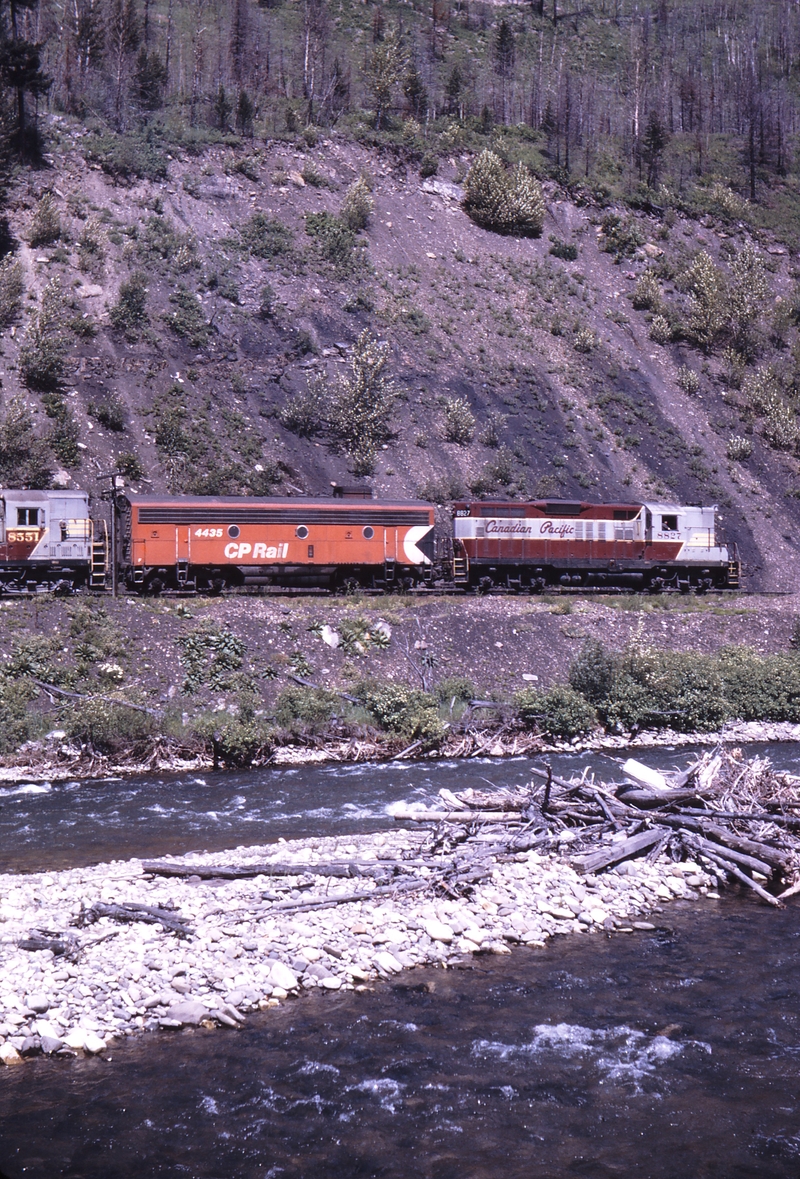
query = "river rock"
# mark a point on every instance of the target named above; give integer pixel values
(388, 963)
(9, 1054)
(38, 1003)
(51, 1044)
(76, 1038)
(437, 931)
(93, 1044)
(281, 976)
(331, 983)
(190, 1011)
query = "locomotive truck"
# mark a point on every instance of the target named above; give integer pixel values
(49, 540)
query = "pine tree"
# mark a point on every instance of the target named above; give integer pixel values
(653, 145)
(416, 94)
(245, 114)
(452, 92)
(222, 108)
(385, 71)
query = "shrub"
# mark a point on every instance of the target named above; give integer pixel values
(210, 657)
(621, 238)
(306, 412)
(760, 687)
(660, 330)
(46, 224)
(708, 296)
(762, 391)
(458, 688)
(592, 672)
(109, 413)
(498, 472)
(43, 354)
(24, 458)
(357, 206)
(265, 237)
(17, 721)
(305, 710)
(92, 245)
(738, 449)
(64, 435)
(492, 430)
(564, 250)
(723, 202)
(266, 302)
(442, 491)
(429, 165)
(188, 320)
(407, 712)
(126, 157)
(506, 202)
(688, 380)
(129, 313)
(662, 689)
(129, 465)
(559, 712)
(105, 726)
(647, 293)
(749, 288)
(585, 340)
(12, 288)
(459, 421)
(335, 241)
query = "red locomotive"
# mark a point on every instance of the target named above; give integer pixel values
(209, 543)
(532, 545)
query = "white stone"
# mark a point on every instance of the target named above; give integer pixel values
(437, 931)
(9, 1054)
(331, 983)
(388, 963)
(281, 976)
(76, 1038)
(94, 1044)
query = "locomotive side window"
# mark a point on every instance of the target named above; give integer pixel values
(368, 532)
(669, 523)
(589, 530)
(233, 531)
(27, 517)
(301, 531)
(579, 530)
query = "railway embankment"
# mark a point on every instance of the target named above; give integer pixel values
(91, 686)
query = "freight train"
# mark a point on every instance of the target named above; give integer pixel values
(49, 540)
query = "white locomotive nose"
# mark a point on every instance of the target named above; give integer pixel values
(418, 545)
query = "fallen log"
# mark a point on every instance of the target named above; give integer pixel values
(777, 859)
(732, 868)
(737, 857)
(414, 815)
(617, 852)
(344, 868)
(150, 914)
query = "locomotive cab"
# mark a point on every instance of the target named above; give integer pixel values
(45, 540)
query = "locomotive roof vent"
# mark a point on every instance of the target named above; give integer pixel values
(352, 491)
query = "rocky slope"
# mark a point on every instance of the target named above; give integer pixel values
(469, 314)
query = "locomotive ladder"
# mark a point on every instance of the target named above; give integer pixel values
(461, 569)
(99, 568)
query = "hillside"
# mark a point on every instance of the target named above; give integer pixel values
(539, 365)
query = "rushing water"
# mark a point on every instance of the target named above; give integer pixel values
(60, 825)
(663, 1055)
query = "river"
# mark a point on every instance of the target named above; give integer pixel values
(665, 1053)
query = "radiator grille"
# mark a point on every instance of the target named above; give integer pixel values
(352, 517)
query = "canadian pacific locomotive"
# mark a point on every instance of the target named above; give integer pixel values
(49, 541)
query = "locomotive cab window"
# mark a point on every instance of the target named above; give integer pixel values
(301, 531)
(27, 517)
(669, 523)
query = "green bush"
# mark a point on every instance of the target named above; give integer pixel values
(17, 722)
(105, 726)
(306, 710)
(505, 202)
(188, 320)
(708, 300)
(567, 251)
(760, 687)
(647, 293)
(592, 672)
(46, 224)
(12, 288)
(357, 206)
(24, 456)
(266, 238)
(407, 712)
(43, 355)
(621, 237)
(129, 465)
(335, 240)
(459, 421)
(129, 313)
(109, 413)
(456, 687)
(210, 657)
(236, 737)
(429, 165)
(127, 157)
(558, 712)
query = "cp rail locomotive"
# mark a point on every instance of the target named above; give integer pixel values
(49, 540)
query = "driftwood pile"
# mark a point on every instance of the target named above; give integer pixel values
(739, 819)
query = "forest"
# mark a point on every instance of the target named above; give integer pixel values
(635, 99)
